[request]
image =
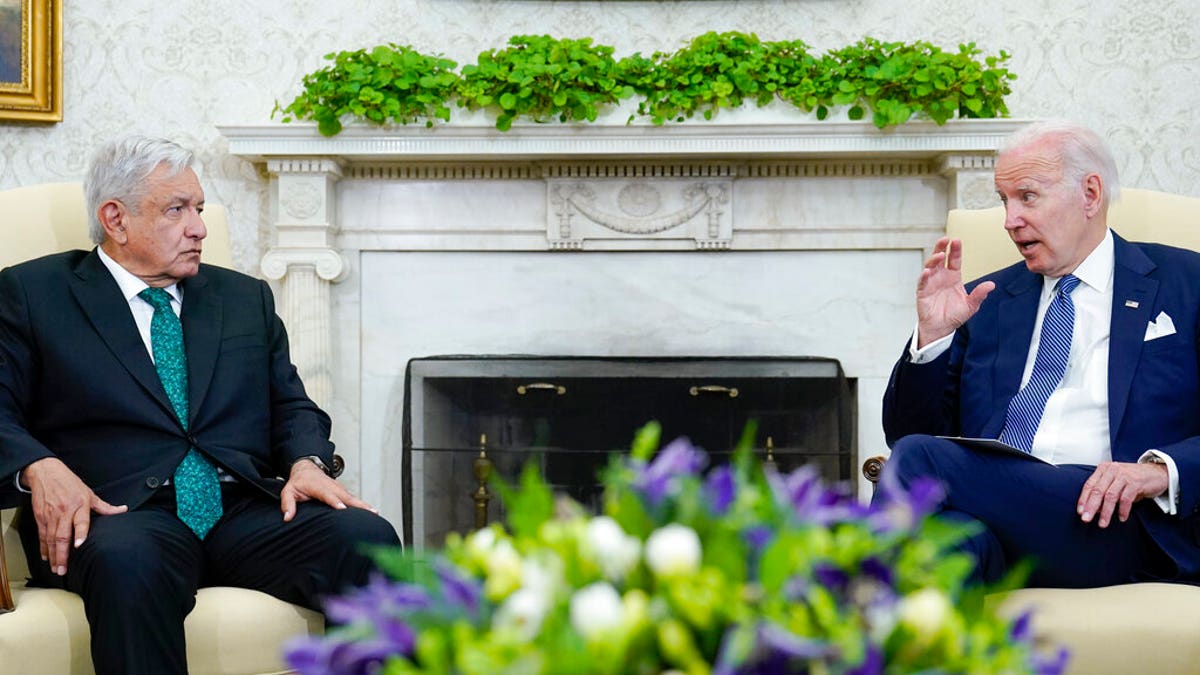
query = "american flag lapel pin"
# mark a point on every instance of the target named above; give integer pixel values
(1132, 304)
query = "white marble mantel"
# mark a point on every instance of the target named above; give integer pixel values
(744, 237)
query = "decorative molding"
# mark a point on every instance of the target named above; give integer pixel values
(634, 168)
(360, 143)
(497, 171)
(619, 209)
(947, 164)
(328, 264)
(305, 165)
(301, 200)
(839, 168)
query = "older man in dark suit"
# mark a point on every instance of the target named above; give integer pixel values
(1084, 356)
(149, 406)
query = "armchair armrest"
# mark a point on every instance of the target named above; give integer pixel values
(9, 498)
(6, 597)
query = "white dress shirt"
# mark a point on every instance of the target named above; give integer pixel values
(1074, 428)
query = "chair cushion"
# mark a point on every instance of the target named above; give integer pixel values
(1132, 628)
(236, 630)
(231, 630)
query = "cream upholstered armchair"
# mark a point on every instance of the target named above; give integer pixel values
(1132, 628)
(231, 630)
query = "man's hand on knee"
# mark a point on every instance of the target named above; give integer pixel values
(1116, 486)
(307, 481)
(62, 507)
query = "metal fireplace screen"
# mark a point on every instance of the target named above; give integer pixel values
(466, 416)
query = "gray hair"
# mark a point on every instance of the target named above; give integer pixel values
(119, 171)
(1083, 152)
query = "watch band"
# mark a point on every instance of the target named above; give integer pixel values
(316, 460)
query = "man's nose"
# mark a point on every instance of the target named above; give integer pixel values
(196, 229)
(1012, 217)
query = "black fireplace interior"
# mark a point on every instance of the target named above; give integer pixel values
(569, 414)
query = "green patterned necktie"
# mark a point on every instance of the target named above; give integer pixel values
(197, 488)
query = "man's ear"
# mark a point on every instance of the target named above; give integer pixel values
(112, 216)
(1093, 194)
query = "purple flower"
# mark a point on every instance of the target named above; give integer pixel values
(809, 499)
(758, 536)
(458, 590)
(872, 663)
(378, 598)
(767, 648)
(781, 643)
(313, 655)
(1022, 628)
(658, 478)
(1051, 665)
(876, 569)
(831, 577)
(309, 655)
(720, 487)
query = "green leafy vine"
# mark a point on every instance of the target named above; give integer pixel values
(544, 79)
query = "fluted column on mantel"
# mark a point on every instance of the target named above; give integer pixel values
(304, 258)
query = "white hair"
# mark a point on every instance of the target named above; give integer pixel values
(119, 170)
(1083, 153)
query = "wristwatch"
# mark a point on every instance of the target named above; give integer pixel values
(316, 460)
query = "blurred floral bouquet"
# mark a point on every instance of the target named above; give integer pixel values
(740, 570)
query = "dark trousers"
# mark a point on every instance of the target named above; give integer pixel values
(138, 572)
(1027, 509)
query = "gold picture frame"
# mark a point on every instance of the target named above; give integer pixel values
(31, 60)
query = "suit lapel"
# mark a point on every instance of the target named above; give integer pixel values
(201, 317)
(101, 301)
(1017, 314)
(1128, 326)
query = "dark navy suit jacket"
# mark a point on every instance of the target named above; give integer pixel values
(76, 381)
(1153, 387)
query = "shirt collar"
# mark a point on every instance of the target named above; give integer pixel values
(1096, 270)
(129, 283)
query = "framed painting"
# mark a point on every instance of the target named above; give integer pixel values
(31, 60)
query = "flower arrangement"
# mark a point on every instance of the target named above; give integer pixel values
(742, 569)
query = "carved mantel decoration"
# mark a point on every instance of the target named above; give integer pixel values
(573, 189)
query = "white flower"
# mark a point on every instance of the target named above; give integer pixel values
(925, 612)
(615, 551)
(542, 572)
(596, 608)
(480, 542)
(523, 613)
(503, 571)
(673, 550)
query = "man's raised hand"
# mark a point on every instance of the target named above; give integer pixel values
(943, 304)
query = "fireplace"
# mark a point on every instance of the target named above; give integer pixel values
(605, 240)
(570, 414)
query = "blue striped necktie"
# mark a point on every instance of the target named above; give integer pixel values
(1054, 346)
(197, 486)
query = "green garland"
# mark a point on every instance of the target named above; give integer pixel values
(542, 78)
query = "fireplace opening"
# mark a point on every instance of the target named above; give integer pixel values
(570, 414)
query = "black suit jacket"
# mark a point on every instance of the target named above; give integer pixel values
(77, 383)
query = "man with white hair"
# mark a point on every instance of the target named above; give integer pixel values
(149, 407)
(1083, 356)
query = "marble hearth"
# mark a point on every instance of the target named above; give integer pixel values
(746, 239)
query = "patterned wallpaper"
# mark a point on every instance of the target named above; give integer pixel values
(178, 68)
